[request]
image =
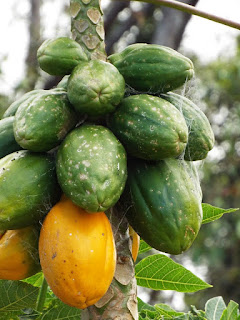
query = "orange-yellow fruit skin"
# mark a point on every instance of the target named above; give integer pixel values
(135, 243)
(77, 254)
(19, 253)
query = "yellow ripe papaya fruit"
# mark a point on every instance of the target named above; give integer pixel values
(77, 253)
(19, 253)
(135, 243)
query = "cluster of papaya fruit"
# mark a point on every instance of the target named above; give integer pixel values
(111, 133)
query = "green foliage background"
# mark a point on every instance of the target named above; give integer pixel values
(217, 245)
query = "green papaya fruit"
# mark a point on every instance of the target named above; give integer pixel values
(91, 167)
(8, 143)
(95, 88)
(163, 203)
(201, 137)
(42, 123)
(12, 109)
(149, 128)
(59, 56)
(152, 68)
(29, 188)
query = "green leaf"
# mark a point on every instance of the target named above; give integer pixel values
(199, 313)
(159, 272)
(17, 295)
(211, 213)
(214, 308)
(35, 280)
(167, 311)
(63, 312)
(144, 247)
(149, 315)
(10, 315)
(142, 305)
(231, 313)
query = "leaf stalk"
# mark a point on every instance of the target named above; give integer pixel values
(42, 296)
(194, 11)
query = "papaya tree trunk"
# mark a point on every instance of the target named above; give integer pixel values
(87, 27)
(120, 301)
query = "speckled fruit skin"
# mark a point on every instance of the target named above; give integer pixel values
(8, 143)
(95, 88)
(92, 167)
(152, 68)
(29, 188)
(163, 204)
(149, 127)
(77, 254)
(201, 137)
(42, 123)
(19, 253)
(12, 109)
(60, 56)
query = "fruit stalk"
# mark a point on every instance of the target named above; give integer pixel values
(87, 27)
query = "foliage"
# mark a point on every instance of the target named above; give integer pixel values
(215, 309)
(212, 213)
(218, 243)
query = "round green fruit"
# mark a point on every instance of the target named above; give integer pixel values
(91, 167)
(95, 88)
(42, 123)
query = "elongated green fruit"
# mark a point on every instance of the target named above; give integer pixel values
(163, 203)
(201, 137)
(60, 56)
(149, 127)
(152, 68)
(29, 188)
(8, 143)
(95, 88)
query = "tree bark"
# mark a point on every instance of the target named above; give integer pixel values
(87, 27)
